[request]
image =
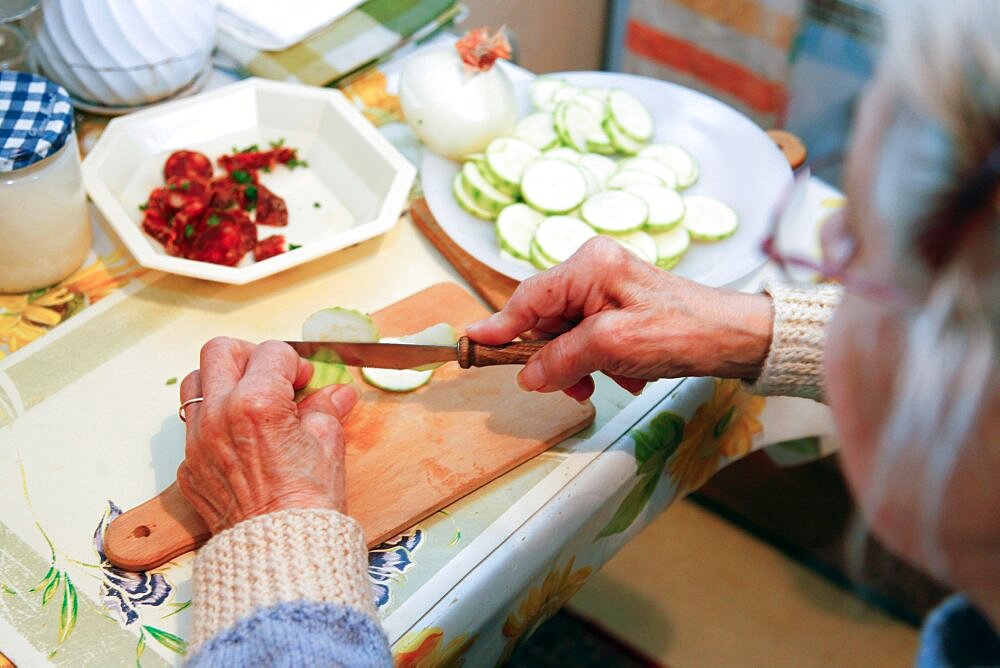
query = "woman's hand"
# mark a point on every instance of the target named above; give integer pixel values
(610, 311)
(251, 449)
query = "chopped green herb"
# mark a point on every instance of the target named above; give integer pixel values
(252, 148)
(251, 192)
(185, 185)
(277, 144)
(315, 205)
(172, 381)
(295, 162)
(266, 168)
(294, 246)
(143, 206)
(171, 186)
(188, 231)
(212, 221)
(240, 176)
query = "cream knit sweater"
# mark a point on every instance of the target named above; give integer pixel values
(794, 364)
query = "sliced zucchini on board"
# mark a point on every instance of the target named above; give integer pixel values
(624, 178)
(542, 91)
(615, 212)
(441, 334)
(339, 324)
(708, 219)
(506, 158)
(465, 200)
(334, 324)
(396, 380)
(641, 244)
(666, 206)
(622, 142)
(407, 380)
(516, 227)
(654, 167)
(630, 115)
(558, 237)
(677, 159)
(553, 186)
(481, 191)
(538, 130)
(671, 246)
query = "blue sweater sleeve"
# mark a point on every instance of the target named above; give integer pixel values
(298, 634)
(956, 634)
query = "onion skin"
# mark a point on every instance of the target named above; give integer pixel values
(453, 109)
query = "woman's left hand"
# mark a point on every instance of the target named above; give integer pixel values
(251, 449)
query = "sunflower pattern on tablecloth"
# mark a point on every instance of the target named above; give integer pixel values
(724, 426)
(428, 649)
(29, 316)
(689, 453)
(541, 603)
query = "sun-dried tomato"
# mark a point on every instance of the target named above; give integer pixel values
(158, 226)
(265, 248)
(224, 193)
(209, 219)
(253, 160)
(188, 165)
(190, 188)
(271, 209)
(226, 242)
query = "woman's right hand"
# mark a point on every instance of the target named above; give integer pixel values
(610, 311)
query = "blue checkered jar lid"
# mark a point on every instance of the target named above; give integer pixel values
(36, 118)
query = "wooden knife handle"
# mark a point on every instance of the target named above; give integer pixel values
(471, 353)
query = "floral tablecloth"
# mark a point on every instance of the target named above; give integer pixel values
(88, 426)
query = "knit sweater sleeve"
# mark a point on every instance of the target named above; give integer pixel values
(287, 588)
(794, 364)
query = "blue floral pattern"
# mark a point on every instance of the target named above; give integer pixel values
(123, 592)
(388, 561)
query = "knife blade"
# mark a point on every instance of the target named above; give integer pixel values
(413, 356)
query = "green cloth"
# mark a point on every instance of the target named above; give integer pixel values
(364, 35)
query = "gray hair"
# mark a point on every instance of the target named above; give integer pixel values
(943, 59)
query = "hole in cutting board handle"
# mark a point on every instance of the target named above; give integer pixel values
(141, 531)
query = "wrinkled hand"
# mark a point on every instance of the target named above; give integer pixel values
(250, 448)
(610, 311)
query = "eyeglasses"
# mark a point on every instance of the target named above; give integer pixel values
(838, 246)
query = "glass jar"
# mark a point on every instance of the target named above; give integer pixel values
(44, 224)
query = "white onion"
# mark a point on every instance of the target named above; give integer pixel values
(453, 109)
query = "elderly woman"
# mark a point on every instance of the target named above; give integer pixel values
(908, 365)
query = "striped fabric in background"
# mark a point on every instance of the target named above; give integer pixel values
(735, 50)
(785, 63)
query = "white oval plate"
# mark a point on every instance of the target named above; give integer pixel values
(739, 163)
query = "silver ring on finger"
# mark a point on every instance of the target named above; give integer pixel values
(181, 410)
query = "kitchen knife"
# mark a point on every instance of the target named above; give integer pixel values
(413, 356)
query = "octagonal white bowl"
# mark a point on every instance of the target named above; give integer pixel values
(358, 179)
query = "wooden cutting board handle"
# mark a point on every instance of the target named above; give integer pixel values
(155, 532)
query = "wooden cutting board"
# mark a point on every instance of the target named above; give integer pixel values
(408, 455)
